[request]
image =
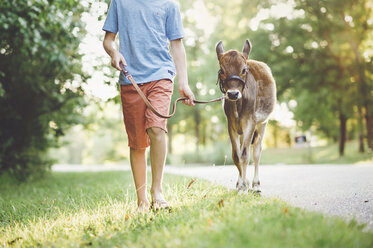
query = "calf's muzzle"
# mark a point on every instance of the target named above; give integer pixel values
(233, 95)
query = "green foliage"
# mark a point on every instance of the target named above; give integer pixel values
(101, 140)
(317, 57)
(304, 64)
(320, 55)
(40, 80)
(304, 50)
(94, 209)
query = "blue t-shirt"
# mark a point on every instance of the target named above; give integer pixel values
(145, 29)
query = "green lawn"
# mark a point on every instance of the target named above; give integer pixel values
(319, 155)
(98, 209)
(221, 154)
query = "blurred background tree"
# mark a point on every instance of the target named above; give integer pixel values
(306, 44)
(40, 80)
(326, 49)
(320, 53)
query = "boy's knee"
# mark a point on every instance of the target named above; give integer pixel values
(155, 132)
(137, 150)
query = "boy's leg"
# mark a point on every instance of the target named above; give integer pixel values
(159, 95)
(157, 159)
(133, 114)
(138, 166)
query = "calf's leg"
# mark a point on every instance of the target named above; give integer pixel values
(257, 149)
(242, 183)
(241, 155)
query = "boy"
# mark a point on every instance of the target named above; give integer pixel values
(146, 28)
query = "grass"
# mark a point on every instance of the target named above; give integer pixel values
(319, 155)
(221, 154)
(98, 209)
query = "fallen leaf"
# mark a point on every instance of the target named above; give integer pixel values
(221, 203)
(14, 240)
(126, 217)
(285, 211)
(191, 182)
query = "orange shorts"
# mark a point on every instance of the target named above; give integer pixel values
(138, 117)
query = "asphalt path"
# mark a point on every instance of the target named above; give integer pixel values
(337, 190)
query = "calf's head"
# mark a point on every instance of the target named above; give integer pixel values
(233, 70)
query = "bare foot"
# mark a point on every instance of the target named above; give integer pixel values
(143, 207)
(158, 202)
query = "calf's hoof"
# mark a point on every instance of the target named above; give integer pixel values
(242, 186)
(256, 187)
(256, 193)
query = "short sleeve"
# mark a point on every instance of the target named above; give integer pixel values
(174, 25)
(111, 22)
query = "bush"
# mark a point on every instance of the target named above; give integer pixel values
(40, 80)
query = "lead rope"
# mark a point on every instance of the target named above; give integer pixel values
(150, 106)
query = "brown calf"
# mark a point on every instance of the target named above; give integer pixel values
(250, 98)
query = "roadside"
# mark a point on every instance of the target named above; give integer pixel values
(343, 190)
(98, 209)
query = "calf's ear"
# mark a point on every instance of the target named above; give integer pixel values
(219, 49)
(246, 49)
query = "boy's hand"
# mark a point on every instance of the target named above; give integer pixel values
(117, 58)
(185, 91)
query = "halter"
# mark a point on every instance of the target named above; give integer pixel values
(233, 77)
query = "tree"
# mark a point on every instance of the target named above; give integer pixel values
(40, 80)
(315, 54)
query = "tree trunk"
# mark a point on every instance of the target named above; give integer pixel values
(342, 133)
(361, 143)
(364, 91)
(369, 123)
(361, 131)
(170, 137)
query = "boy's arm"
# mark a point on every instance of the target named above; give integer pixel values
(110, 48)
(179, 57)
